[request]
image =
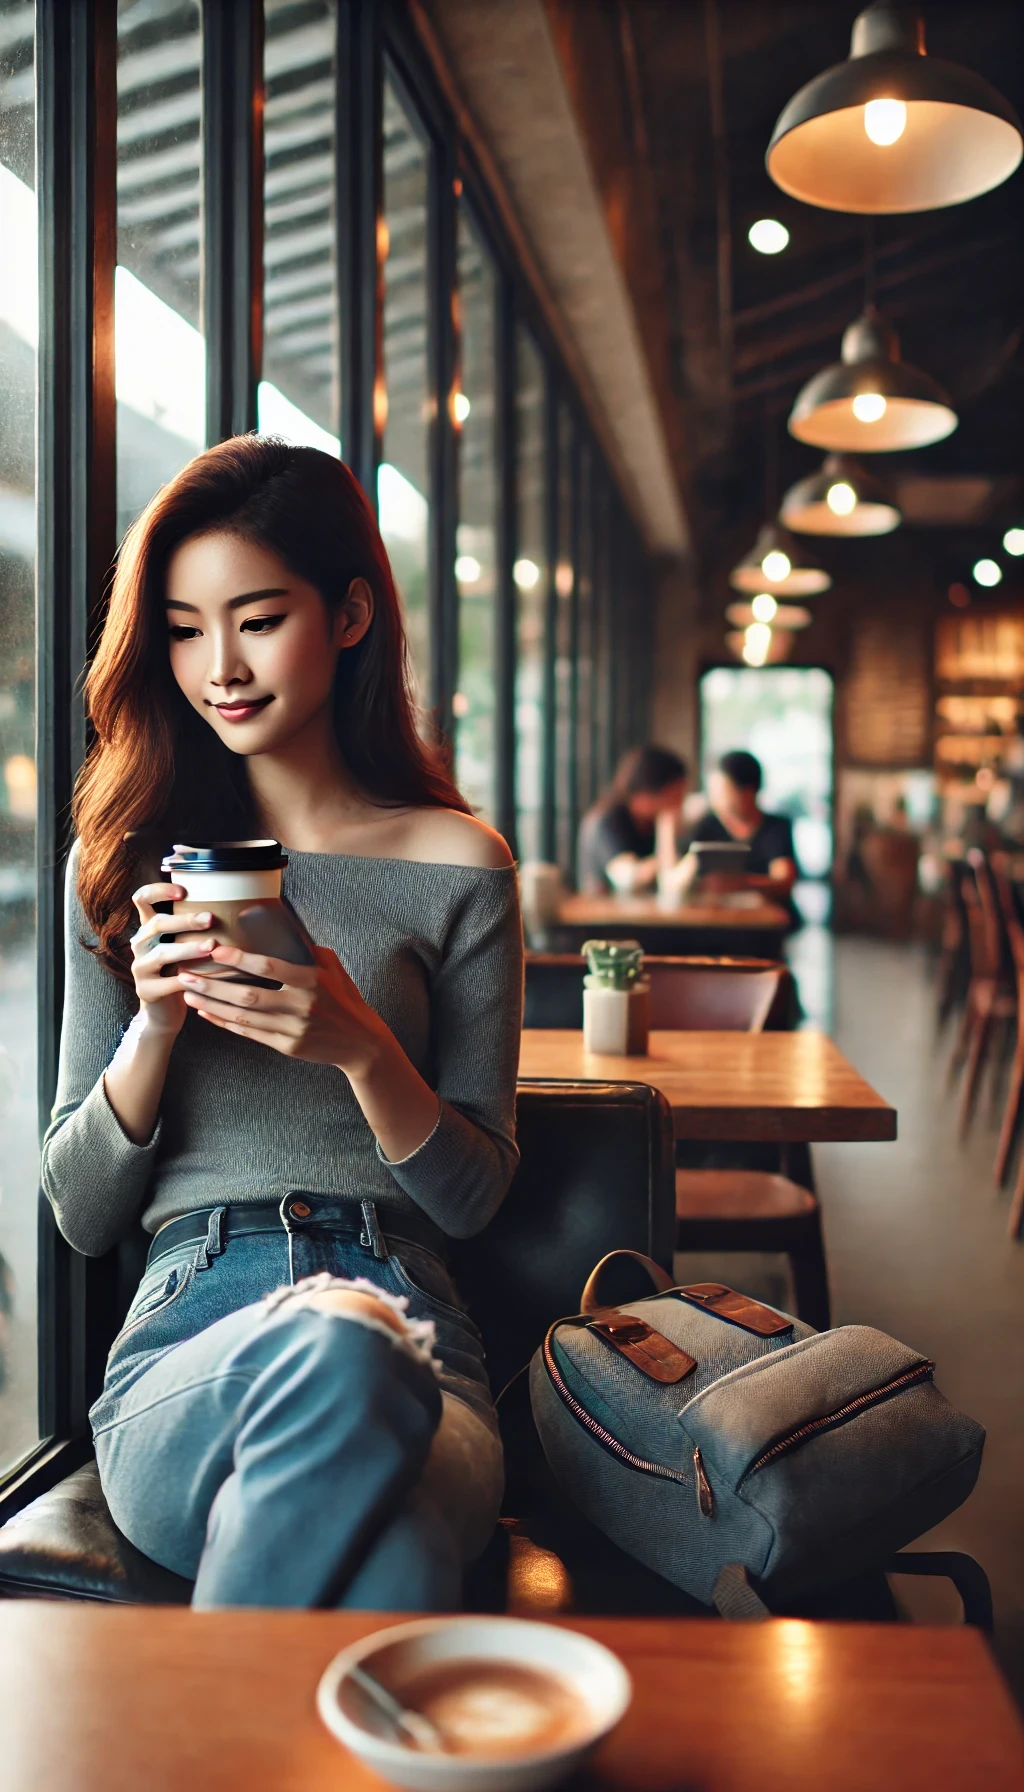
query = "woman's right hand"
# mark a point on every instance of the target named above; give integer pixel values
(161, 999)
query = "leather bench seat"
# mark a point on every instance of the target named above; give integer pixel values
(65, 1545)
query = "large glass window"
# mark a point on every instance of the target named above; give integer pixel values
(19, 1167)
(160, 354)
(299, 395)
(405, 404)
(530, 572)
(565, 647)
(476, 560)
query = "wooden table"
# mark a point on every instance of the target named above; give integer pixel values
(699, 927)
(116, 1700)
(783, 1087)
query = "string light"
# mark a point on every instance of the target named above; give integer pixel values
(987, 572)
(763, 607)
(1013, 542)
(460, 407)
(467, 569)
(768, 236)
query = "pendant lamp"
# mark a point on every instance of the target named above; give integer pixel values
(871, 402)
(893, 129)
(840, 499)
(759, 646)
(764, 609)
(779, 565)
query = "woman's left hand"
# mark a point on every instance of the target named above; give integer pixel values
(318, 1014)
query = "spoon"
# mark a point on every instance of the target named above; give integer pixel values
(422, 1732)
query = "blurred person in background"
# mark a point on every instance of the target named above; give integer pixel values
(629, 837)
(736, 814)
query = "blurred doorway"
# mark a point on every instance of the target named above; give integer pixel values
(782, 714)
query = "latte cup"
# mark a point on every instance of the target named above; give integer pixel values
(238, 882)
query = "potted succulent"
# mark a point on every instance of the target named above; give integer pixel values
(615, 998)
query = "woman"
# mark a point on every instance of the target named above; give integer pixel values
(296, 1410)
(629, 836)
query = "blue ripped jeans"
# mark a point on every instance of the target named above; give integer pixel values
(281, 1454)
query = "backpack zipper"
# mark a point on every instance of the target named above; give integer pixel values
(921, 1371)
(605, 1438)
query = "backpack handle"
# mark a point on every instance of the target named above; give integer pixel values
(623, 1276)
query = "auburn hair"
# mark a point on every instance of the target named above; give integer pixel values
(155, 769)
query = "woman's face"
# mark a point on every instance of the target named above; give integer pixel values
(252, 646)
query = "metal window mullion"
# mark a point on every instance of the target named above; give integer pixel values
(76, 115)
(506, 448)
(444, 349)
(359, 185)
(232, 160)
(575, 527)
(549, 828)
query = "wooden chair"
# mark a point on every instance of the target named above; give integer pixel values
(991, 991)
(715, 994)
(717, 1209)
(1013, 1112)
(952, 970)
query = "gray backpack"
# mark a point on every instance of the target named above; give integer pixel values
(704, 1432)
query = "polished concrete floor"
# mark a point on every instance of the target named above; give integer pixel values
(916, 1238)
(917, 1245)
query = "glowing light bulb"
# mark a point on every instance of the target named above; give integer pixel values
(763, 607)
(526, 574)
(776, 566)
(841, 498)
(460, 407)
(1013, 541)
(768, 236)
(987, 572)
(869, 407)
(885, 121)
(467, 569)
(756, 642)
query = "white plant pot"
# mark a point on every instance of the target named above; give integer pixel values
(616, 1021)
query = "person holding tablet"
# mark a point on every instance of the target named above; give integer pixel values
(735, 815)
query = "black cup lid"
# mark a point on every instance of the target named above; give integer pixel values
(226, 855)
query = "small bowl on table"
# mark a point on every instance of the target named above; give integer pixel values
(399, 1657)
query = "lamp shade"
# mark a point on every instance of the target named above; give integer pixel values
(786, 616)
(840, 499)
(870, 401)
(778, 564)
(893, 129)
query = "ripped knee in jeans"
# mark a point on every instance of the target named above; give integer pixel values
(363, 1302)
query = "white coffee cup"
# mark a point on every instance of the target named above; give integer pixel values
(399, 1653)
